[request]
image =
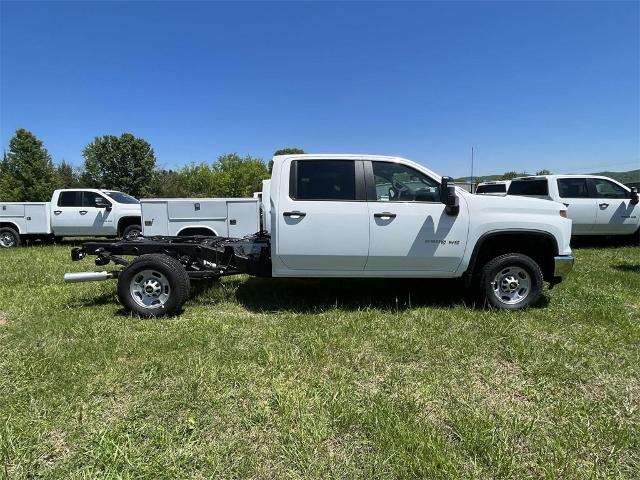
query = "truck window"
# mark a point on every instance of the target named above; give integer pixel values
(573, 188)
(606, 189)
(89, 199)
(123, 198)
(323, 180)
(70, 199)
(399, 183)
(529, 187)
(496, 188)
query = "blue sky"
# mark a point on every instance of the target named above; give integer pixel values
(530, 84)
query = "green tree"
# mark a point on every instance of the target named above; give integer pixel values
(167, 184)
(67, 176)
(123, 163)
(509, 175)
(26, 173)
(544, 171)
(284, 151)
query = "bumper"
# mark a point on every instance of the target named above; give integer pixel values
(562, 266)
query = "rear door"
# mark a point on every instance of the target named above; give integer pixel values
(615, 213)
(322, 223)
(410, 230)
(581, 209)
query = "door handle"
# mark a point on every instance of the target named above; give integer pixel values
(603, 205)
(83, 212)
(295, 213)
(57, 212)
(384, 215)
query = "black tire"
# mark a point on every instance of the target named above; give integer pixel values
(9, 238)
(503, 280)
(167, 272)
(131, 232)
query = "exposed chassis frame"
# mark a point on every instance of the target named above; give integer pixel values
(202, 257)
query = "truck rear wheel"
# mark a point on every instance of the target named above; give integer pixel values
(9, 238)
(512, 281)
(153, 285)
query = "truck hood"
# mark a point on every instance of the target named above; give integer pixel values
(511, 203)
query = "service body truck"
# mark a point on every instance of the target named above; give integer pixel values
(356, 216)
(218, 217)
(597, 205)
(81, 212)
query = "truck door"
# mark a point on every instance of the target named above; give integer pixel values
(615, 215)
(322, 217)
(574, 193)
(410, 230)
(75, 214)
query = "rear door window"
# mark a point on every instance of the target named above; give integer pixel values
(529, 187)
(70, 199)
(573, 188)
(323, 180)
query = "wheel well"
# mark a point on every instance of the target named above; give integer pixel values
(191, 231)
(125, 222)
(541, 247)
(11, 225)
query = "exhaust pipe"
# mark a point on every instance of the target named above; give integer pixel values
(88, 276)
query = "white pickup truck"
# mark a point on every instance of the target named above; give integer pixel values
(82, 212)
(356, 216)
(596, 205)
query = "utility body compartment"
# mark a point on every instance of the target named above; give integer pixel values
(223, 217)
(28, 218)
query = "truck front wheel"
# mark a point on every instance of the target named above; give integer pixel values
(132, 232)
(9, 238)
(153, 285)
(512, 281)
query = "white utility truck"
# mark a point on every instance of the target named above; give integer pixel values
(596, 205)
(84, 212)
(498, 187)
(226, 217)
(356, 216)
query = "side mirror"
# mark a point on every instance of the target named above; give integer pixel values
(448, 196)
(102, 203)
(634, 196)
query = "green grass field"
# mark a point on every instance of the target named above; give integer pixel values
(319, 379)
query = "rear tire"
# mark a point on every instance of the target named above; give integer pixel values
(511, 282)
(9, 238)
(132, 232)
(154, 286)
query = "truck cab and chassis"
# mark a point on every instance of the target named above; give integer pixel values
(355, 216)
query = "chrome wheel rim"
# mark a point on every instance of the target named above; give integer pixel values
(150, 289)
(511, 285)
(133, 234)
(7, 240)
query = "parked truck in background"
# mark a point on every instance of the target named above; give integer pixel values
(497, 187)
(356, 216)
(597, 205)
(85, 212)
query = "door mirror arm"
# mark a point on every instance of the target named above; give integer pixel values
(448, 196)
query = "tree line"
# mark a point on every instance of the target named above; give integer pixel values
(126, 163)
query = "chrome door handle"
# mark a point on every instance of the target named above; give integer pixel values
(57, 212)
(603, 205)
(83, 212)
(295, 213)
(384, 215)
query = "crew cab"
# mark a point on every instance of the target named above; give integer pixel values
(498, 187)
(356, 216)
(597, 205)
(85, 212)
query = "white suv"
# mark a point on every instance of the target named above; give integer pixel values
(596, 205)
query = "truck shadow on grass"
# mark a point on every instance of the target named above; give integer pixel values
(316, 295)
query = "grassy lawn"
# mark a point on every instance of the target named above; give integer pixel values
(319, 379)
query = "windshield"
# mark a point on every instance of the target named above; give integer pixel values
(123, 197)
(495, 188)
(529, 187)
